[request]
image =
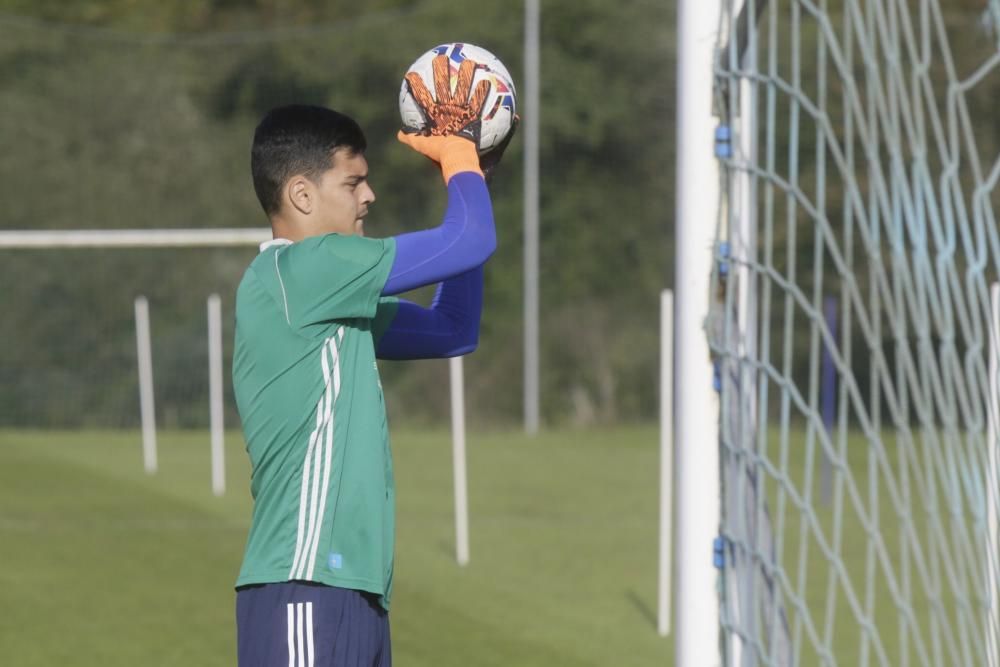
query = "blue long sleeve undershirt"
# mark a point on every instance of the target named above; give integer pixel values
(449, 328)
(465, 239)
(451, 254)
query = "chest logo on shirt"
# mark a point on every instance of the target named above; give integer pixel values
(335, 561)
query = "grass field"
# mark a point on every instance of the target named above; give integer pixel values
(101, 564)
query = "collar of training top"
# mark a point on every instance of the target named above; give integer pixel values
(267, 244)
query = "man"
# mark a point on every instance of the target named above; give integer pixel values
(313, 312)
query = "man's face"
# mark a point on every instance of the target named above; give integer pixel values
(344, 195)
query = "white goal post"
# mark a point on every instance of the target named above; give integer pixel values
(133, 238)
(158, 238)
(695, 413)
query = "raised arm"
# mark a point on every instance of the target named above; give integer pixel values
(449, 328)
(453, 253)
(464, 240)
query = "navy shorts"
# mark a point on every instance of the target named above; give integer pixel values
(301, 624)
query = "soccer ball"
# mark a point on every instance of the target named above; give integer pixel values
(498, 110)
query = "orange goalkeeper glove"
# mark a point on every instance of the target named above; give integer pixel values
(451, 137)
(452, 152)
(451, 113)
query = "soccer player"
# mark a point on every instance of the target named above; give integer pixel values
(313, 312)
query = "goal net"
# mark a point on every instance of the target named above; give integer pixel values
(853, 331)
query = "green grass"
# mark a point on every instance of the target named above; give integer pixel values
(101, 564)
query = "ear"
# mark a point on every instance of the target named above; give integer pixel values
(299, 194)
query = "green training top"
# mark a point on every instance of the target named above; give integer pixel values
(308, 318)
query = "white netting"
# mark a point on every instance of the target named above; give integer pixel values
(863, 173)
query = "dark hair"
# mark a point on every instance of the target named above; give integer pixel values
(298, 139)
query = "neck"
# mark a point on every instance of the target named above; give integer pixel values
(286, 229)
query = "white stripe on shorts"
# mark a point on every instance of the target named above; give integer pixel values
(291, 634)
(309, 634)
(298, 635)
(301, 649)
